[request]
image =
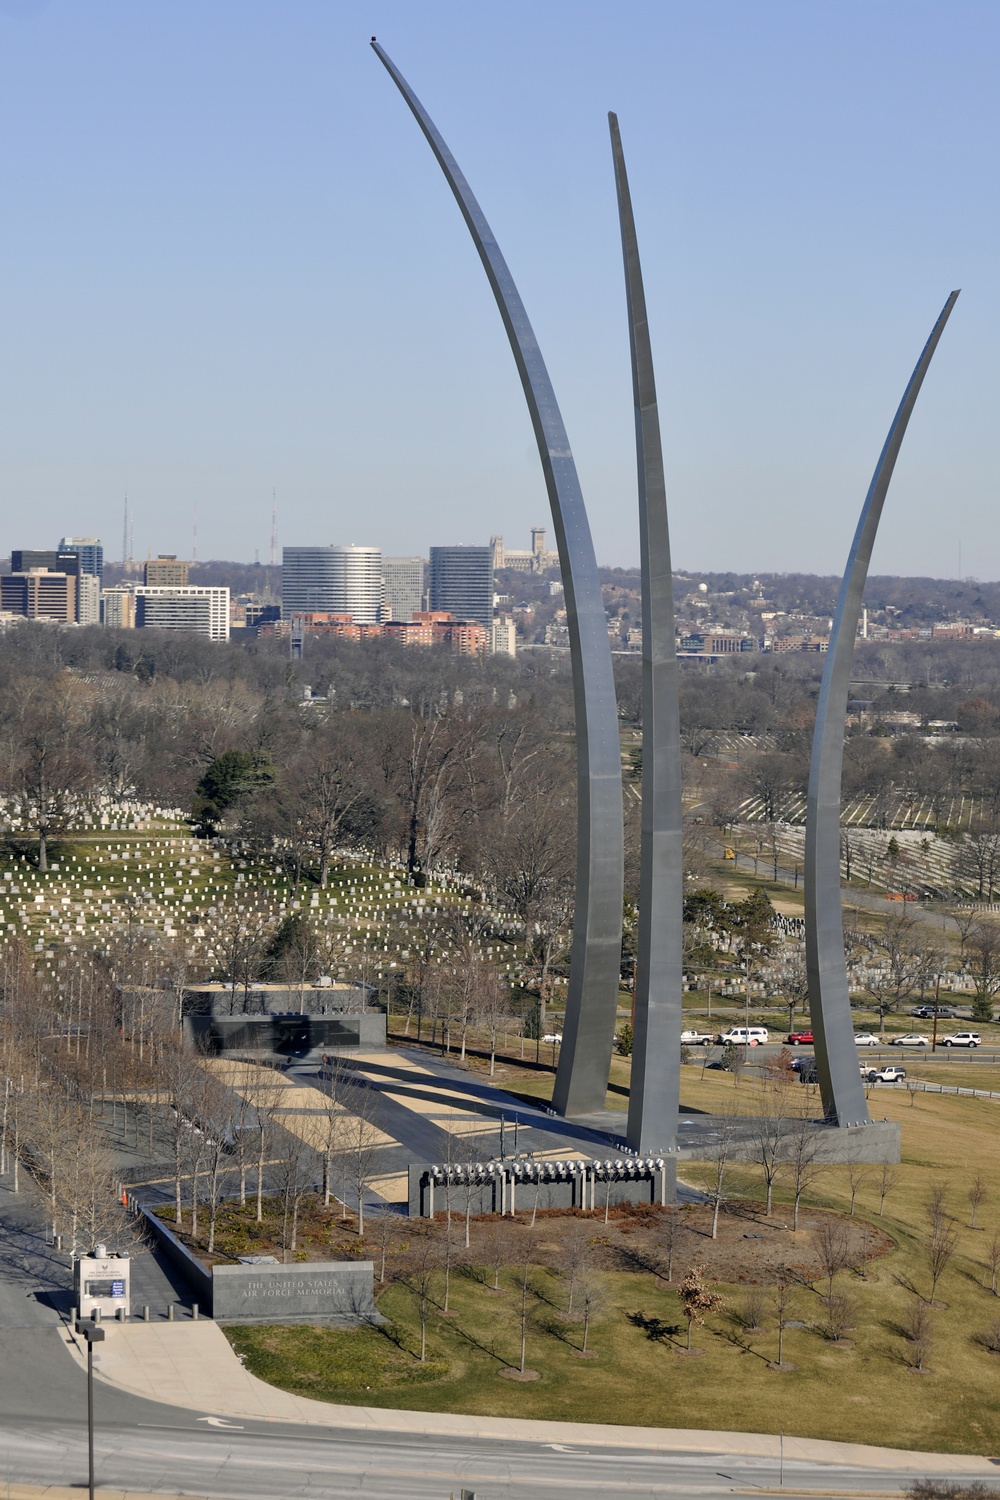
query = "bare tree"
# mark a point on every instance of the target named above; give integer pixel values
(361, 1144)
(476, 1151)
(902, 967)
(526, 1266)
(387, 1224)
(768, 1133)
(841, 1314)
(293, 1170)
(499, 1243)
(491, 1006)
(983, 965)
(993, 1262)
(718, 1185)
(217, 1114)
(671, 1234)
(422, 1264)
(857, 1176)
(977, 1196)
(576, 1256)
(592, 1297)
(781, 1294)
(834, 1250)
(942, 1238)
(749, 1311)
(803, 1165)
(919, 1326)
(887, 1179)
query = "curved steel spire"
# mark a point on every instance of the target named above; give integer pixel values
(840, 1084)
(581, 1081)
(654, 1098)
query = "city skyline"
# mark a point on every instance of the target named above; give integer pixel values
(201, 349)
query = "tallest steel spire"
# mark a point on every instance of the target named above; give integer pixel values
(654, 1097)
(588, 1035)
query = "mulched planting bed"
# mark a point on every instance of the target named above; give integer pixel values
(748, 1249)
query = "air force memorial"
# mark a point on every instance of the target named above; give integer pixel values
(846, 1130)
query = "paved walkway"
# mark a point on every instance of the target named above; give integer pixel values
(36, 1281)
(192, 1365)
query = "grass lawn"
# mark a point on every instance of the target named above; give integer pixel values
(863, 1388)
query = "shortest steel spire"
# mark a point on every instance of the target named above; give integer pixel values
(654, 1099)
(837, 1070)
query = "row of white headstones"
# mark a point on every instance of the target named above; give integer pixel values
(178, 883)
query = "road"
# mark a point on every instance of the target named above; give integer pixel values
(141, 1444)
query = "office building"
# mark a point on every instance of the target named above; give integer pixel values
(165, 572)
(39, 594)
(462, 583)
(332, 580)
(256, 614)
(200, 609)
(88, 599)
(90, 552)
(118, 609)
(503, 636)
(30, 559)
(403, 580)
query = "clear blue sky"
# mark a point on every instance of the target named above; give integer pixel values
(229, 263)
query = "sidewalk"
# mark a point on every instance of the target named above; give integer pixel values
(192, 1365)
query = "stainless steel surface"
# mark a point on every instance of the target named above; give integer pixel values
(840, 1083)
(654, 1101)
(588, 1034)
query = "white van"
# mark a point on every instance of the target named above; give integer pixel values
(744, 1036)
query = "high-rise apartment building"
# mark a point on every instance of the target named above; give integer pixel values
(503, 636)
(332, 580)
(165, 572)
(90, 552)
(39, 594)
(404, 585)
(118, 609)
(462, 582)
(88, 599)
(200, 609)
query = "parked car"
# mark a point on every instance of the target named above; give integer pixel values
(743, 1036)
(926, 1012)
(697, 1039)
(962, 1039)
(805, 1067)
(552, 1036)
(889, 1073)
(800, 1038)
(867, 1039)
(909, 1039)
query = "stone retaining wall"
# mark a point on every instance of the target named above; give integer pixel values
(341, 1291)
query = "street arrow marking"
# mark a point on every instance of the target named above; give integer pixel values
(560, 1448)
(220, 1422)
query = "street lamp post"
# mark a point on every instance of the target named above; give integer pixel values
(94, 1334)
